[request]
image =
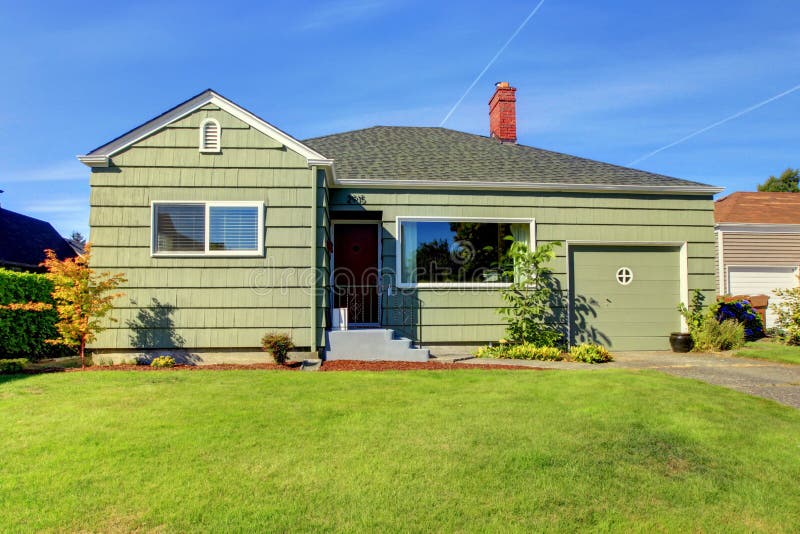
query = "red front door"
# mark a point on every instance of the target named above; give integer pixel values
(355, 273)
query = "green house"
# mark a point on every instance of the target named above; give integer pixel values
(376, 242)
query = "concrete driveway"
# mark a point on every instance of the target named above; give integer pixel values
(776, 381)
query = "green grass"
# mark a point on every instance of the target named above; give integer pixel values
(462, 450)
(767, 349)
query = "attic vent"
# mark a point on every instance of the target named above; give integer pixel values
(210, 135)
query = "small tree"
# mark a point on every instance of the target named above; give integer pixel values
(695, 313)
(82, 298)
(787, 182)
(529, 295)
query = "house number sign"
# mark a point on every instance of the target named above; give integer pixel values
(358, 200)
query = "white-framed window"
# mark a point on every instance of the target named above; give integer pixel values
(458, 251)
(210, 136)
(207, 228)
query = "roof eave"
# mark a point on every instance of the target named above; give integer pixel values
(530, 186)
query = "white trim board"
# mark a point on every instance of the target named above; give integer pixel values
(100, 157)
(524, 186)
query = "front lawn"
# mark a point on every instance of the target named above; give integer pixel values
(767, 349)
(465, 450)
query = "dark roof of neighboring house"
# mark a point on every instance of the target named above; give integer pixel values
(439, 154)
(758, 208)
(23, 240)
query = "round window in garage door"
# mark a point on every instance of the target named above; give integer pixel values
(624, 276)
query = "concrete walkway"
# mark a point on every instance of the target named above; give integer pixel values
(776, 381)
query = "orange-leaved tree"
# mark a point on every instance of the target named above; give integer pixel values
(83, 297)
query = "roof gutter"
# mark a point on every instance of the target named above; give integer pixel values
(94, 161)
(532, 186)
(757, 228)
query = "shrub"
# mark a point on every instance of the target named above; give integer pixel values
(788, 315)
(14, 366)
(743, 312)
(695, 313)
(589, 353)
(163, 362)
(714, 335)
(529, 295)
(522, 351)
(278, 345)
(24, 328)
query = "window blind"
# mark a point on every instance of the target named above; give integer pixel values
(233, 228)
(180, 227)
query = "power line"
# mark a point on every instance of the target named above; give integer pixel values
(491, 62)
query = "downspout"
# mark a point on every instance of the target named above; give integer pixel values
(314, 199)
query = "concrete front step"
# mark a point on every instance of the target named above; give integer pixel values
(372, 344)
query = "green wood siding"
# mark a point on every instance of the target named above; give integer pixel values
(470, 315)
(211, 302)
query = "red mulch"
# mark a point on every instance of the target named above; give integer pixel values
(337, 365)
(355, 365)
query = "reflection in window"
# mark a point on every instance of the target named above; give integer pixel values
(457, 251)
(180, 227)
(233, 228)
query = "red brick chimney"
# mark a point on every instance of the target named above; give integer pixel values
(503, 113)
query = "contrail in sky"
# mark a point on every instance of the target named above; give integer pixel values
(718, 123)
(497, 55)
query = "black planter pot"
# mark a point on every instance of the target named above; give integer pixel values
(680, 342)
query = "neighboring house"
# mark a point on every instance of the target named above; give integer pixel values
(758, 243)
(24, 239)
(227, 227)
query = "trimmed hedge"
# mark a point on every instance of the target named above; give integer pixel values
(23, 332)
(13, 367)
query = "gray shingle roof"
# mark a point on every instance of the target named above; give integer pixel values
(23, 240)
(439, 154)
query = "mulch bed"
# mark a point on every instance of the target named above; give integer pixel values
(354, 365)
(333, 366)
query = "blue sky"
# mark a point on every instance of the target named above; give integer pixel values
(605, 80)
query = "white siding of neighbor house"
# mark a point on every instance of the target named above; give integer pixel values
(761, 281)
(758, 249)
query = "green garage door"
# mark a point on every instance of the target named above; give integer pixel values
(624, 297)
